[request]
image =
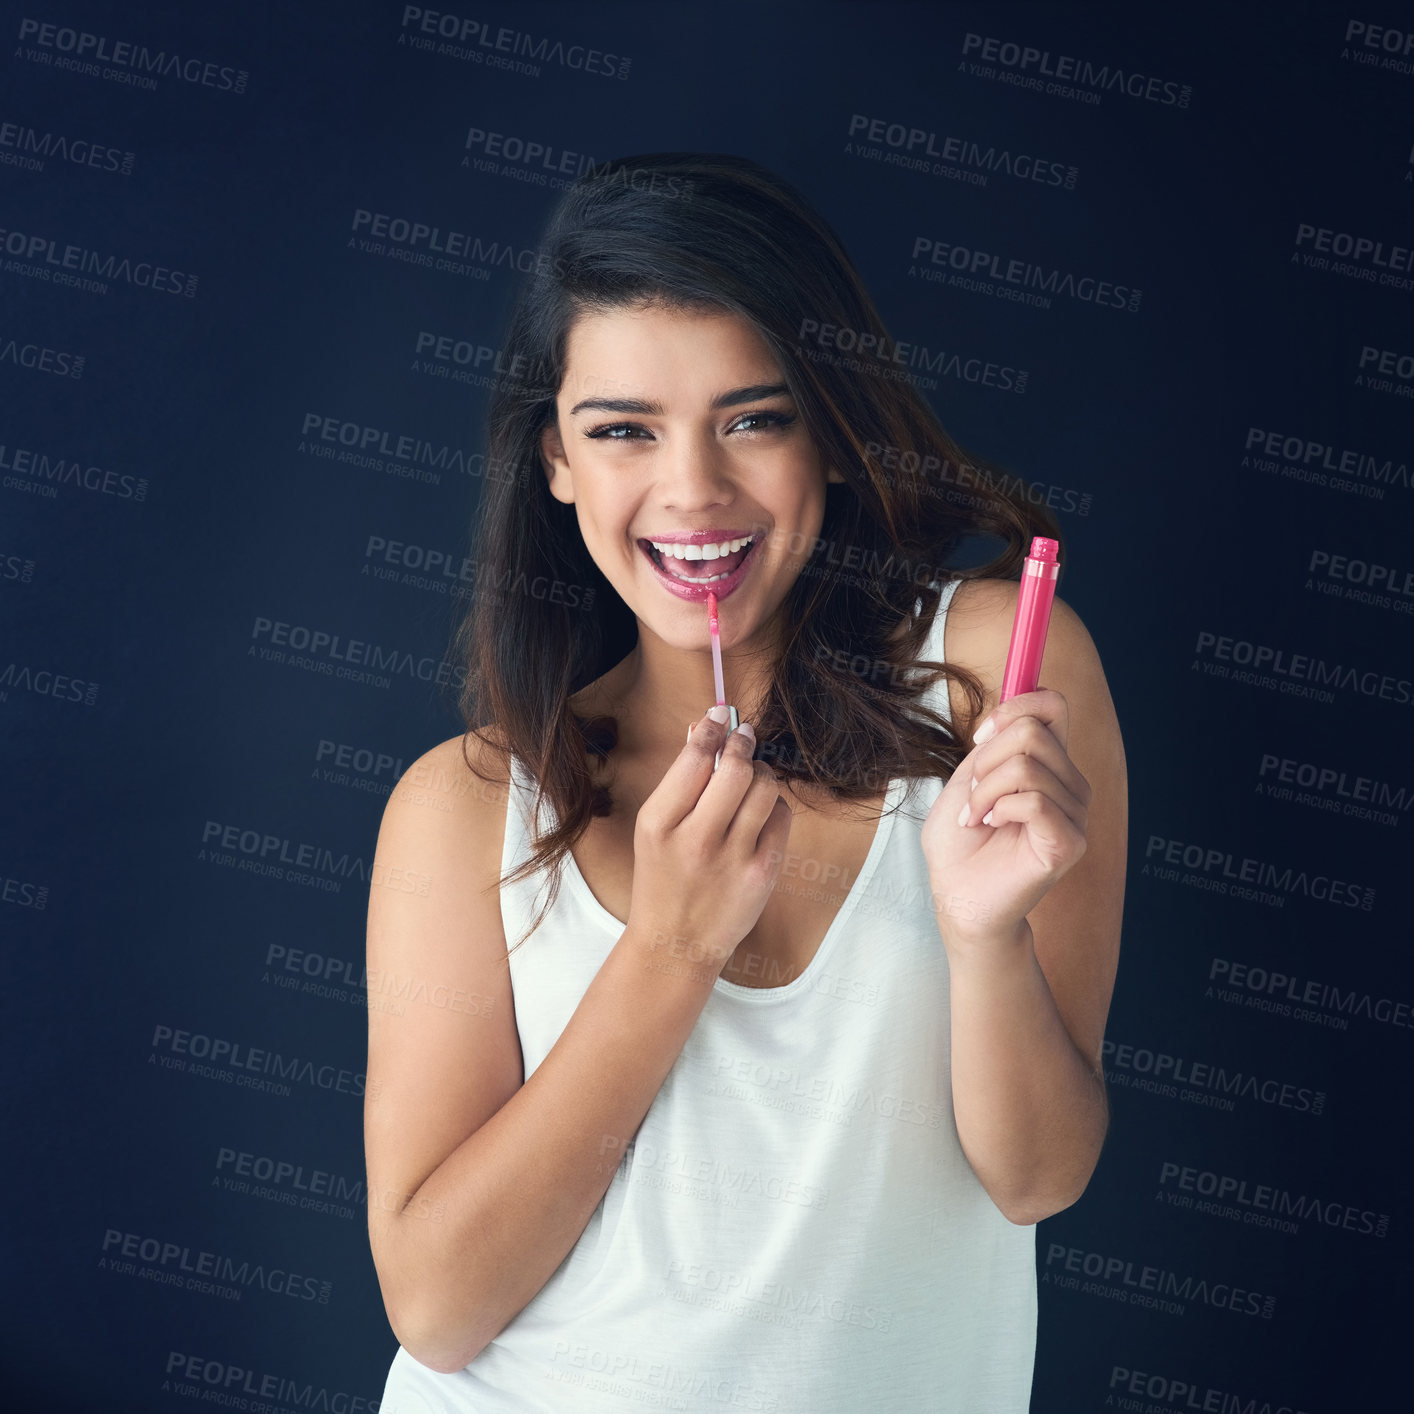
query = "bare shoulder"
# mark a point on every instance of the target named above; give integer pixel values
(434, 892)
(977, 634)
(440, 845)
(453, 765)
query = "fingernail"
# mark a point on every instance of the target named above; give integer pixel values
(746, 730)
(985, 732)
(966, 810)
(719, 714)
(973, 786)
(987, 818)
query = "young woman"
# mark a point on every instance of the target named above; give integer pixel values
(758, 1110)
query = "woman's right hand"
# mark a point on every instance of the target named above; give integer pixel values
(707, 847)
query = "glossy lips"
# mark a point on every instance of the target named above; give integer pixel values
(739, 561)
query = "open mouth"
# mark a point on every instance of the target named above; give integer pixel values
(699, 571)
(692, 578)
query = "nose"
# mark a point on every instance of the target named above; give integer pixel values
(694, 473)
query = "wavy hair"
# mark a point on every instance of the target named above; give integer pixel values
(717, 232)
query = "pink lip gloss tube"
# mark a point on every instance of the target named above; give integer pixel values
(1040, 570)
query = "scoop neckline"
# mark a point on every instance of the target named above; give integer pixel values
(898, 788)
(882, 833)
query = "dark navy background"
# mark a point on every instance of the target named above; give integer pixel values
(137, 713)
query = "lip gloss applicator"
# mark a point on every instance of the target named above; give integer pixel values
(1040, 570)
(715, 632)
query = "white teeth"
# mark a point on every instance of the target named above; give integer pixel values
(677, 551)
(688, 579)
(700, 552)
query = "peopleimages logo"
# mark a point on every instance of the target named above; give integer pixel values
(1356, 257)
(878, 354)
(28, 148)
(252, 1064)
(23, 894)
(177, 1262)
(45, 682)
(1223, 872)
(41, 358)
(976, 269)
(42, 257)
(1034, 64)
(1298, 674)
(744, 1293)
(1132, 1390)
(919, 469)
(715, 1179)
(1304, 999)
(912, 147)
(1388, 363)
(1331, 789)
(1306, 459)
(1364, 43)
(460, 38)
(270, 850)
(327, 649)
(1170, 1071)
(1254, 1202)
(418, 235)
(87, 51)
(1361, 581)
(284, 1173)
(48, 472)
(445, 348)
(524, 168)
(821, 1096)
(1144, 1285)
(402, 454)
(224, 1383)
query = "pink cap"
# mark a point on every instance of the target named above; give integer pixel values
(1044, 549)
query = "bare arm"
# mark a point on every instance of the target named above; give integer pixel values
(481, 1182)
(1031, 1109)
(1029, 999)
(480, 1185)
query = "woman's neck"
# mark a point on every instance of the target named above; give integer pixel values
(657, 691)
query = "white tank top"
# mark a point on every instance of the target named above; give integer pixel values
(795, 1227)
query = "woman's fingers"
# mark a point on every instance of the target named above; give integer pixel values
(684, 781)
(727, 788)
(1025, 735)
(1053, 837)
(1047, 705)
(1020, 774)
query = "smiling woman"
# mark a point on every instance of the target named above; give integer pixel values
(717, 553)
(760, 1110)
(687, 443)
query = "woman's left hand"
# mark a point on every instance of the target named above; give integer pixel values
(995, 847)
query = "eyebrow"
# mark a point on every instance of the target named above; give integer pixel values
(753, 392)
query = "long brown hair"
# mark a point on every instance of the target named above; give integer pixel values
(719, 232)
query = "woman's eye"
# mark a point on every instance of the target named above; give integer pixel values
(767, 419)
(609, 428)
(629, 431)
